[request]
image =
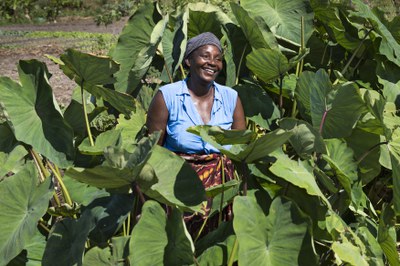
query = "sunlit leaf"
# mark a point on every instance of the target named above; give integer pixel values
(333, 110)
(177, 183)
(137, 45)
(256, 31)
(283, 17)
(263, 239)
(8, 162)
(35, 117)
(158, 240)
(22, 204)
(389, 47)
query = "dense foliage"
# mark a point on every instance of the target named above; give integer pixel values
(318, 170)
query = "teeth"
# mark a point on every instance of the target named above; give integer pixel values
(210, 70)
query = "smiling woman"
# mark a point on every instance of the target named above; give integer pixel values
(198, 100)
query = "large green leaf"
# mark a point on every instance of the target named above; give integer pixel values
(98, 256)
(267, 64)
(123, 102)
(257, 105)
(177, 183)
(91, 72)
(206, 17)
(174, 42)
(104, 140)
(299, 174)
(7, 138)
(338, 26)
(361, 142)
(35, 117)
(340, 158)
(22, 204)
(256, 31)
(334, 110)
(387, 235)
(137, 46)
(86, 68)
(388, 47)
(281, 238)
(120, 168)
(82, 193)
(305, 139)
(348, 253)
(249, 153)
(8, 162)
(132, 126)
(216, 247)
(394, 150)
(158, 240)
(283, 17)
(66, 243)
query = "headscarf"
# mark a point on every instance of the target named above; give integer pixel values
(200, 40)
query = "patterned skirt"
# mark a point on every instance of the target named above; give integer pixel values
(212, 169)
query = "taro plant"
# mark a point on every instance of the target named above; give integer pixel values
(317, 170)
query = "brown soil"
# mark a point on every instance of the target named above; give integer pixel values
(37, 48)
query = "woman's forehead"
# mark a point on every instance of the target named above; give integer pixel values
(208, 48)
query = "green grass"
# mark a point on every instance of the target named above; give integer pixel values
(84, 41)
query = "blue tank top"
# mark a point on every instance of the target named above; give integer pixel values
(183, 114)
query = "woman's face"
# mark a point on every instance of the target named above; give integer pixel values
(205, 63)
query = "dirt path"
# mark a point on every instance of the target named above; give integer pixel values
(24, 49)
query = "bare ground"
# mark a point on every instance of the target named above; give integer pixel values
(37, 48)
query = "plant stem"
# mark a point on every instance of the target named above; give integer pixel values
(43, 173)
(182, 71)
(244, 178)
(240, 65)
(139, 193)
(355, 52)
(86, 116)
(370, 150)
(281, 95)
(234, 250)
(63, 187)
(44, 227)
(201, 229)
(168, 73)
(222, 194)
(300, 64)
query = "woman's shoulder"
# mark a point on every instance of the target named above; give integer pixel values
(225, 90)
(171, 87)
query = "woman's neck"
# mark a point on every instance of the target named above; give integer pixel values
(200, 89)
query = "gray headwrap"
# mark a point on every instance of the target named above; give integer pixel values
(200, 40)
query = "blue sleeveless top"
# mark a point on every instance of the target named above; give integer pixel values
(183, 114)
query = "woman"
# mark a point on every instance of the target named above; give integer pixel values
(198, 100)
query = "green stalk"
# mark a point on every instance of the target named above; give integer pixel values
(222, 194)
(182, 71)
(370, 150)
(234, 250)
(354, 55)
(63, 187)
(86, 116)
(43, 173)
(299, 68)
(281, 95)
(244, 178)
(240, 65)
(55, 197)
(128, 224)
(201, 229)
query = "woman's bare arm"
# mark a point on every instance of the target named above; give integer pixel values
(239, 120)
(157, 116)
